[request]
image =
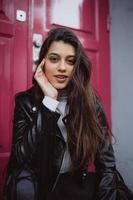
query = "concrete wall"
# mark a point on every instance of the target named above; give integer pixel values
(121, 37)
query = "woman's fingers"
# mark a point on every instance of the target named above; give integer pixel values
(39, 74)
(39, 70)
(41, 65)
(43, 82)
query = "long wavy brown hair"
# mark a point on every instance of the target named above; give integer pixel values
(83, 129)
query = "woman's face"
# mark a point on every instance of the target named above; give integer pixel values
(59, 64)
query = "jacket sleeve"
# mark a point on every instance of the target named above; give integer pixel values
(28, 126)
(105, 163)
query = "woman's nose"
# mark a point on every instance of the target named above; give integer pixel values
(62, 65)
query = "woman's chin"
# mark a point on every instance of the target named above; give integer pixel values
(59, 86)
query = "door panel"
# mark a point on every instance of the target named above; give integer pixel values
(6, 61)
(76, 15)
(13, 71)
(6, 46)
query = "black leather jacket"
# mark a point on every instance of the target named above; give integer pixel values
(36, 133)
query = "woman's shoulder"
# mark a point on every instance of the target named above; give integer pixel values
(100, 111)
(25, 97)
(24, 93)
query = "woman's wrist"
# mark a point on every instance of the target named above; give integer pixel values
(51, 95)
(50, 103)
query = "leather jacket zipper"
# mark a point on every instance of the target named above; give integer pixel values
(57, 178)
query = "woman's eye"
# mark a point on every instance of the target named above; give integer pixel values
(71, 61)
(53, 59)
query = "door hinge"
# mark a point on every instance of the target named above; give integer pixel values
(108, 23)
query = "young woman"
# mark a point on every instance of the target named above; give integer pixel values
(60, 130)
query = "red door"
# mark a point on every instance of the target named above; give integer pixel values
(13, 68)
(87, 18)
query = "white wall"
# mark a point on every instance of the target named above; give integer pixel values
(121, 36)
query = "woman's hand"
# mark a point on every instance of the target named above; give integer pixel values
(43, 82)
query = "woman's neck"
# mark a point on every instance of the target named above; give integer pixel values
(62, 94)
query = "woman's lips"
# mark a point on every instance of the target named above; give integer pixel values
(61, 78)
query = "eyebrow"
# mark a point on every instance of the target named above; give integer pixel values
(56, 54)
